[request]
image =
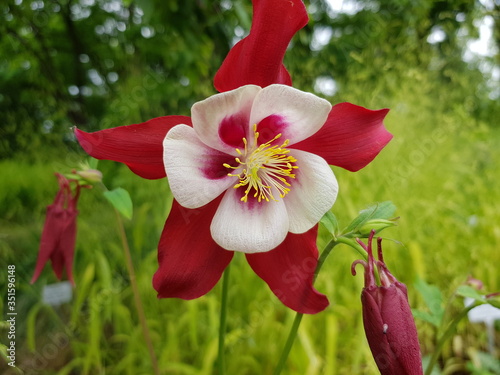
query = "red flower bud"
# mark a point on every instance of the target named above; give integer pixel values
(387, 319)
(59, 231)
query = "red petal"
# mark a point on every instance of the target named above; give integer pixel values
(376, 333)
(351, 137)
(258, 58)
(190, 261)
(289, 272)
(140, 146)
(402, 333)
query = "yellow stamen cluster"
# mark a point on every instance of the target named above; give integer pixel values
(264, 167)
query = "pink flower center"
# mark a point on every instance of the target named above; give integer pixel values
(264, 169)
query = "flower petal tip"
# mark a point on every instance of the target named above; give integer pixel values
(258, 59)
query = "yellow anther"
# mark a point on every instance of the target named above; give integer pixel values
(266, 168)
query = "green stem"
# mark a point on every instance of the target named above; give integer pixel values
(445, 337)
(298, 317)
(222, 325)
(354, 245)
(137, 297)
(289, 343)
(324, 254)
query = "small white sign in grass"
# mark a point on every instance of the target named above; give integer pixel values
(57, 294)
(486, 314)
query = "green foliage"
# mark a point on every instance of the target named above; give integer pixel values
(434, 302)
(97, 64)
(371, 218)
(483, 364)
(331, 224)
(120, 200)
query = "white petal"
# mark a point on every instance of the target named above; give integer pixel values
(300, 114)
(313, 191)
(208, 115)
(249, 227)
(190, 165)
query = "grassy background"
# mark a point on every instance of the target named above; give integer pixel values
(441, 171)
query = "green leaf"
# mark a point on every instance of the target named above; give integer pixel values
(426, 316)
(482, 363)
(31, 327)
(383, 210)
(468, 291)
(86, 280)
(120, 199)
(329, 221)
(493, 302)
(433, 299)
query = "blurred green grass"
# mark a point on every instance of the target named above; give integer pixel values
(440, 170)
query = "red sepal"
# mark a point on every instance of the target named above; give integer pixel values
(289, 272)
(351, 137)
(258, 58)
(190, 262)
(139, 146)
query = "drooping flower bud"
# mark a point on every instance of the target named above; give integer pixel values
(387, 319)
(59, 231)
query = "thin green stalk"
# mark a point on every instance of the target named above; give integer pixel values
(289, 343)
(354, 245)
(298, 317)
(445, 337)
(324, 254)
(222, 325)
(137, 297)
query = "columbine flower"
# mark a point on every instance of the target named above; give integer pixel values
(387, 318)
(249, 171)
(246, 142)
(59, 231)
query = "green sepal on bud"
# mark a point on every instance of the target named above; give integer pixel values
(87, 174)
(90, 175)
(377, 225)
(376, 217)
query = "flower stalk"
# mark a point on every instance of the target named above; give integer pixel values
(447, 335)
(137, 297)
(298, 316)
(289, 342)
(221, 364)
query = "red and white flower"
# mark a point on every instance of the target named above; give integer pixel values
(241, 145)
(249, 169)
